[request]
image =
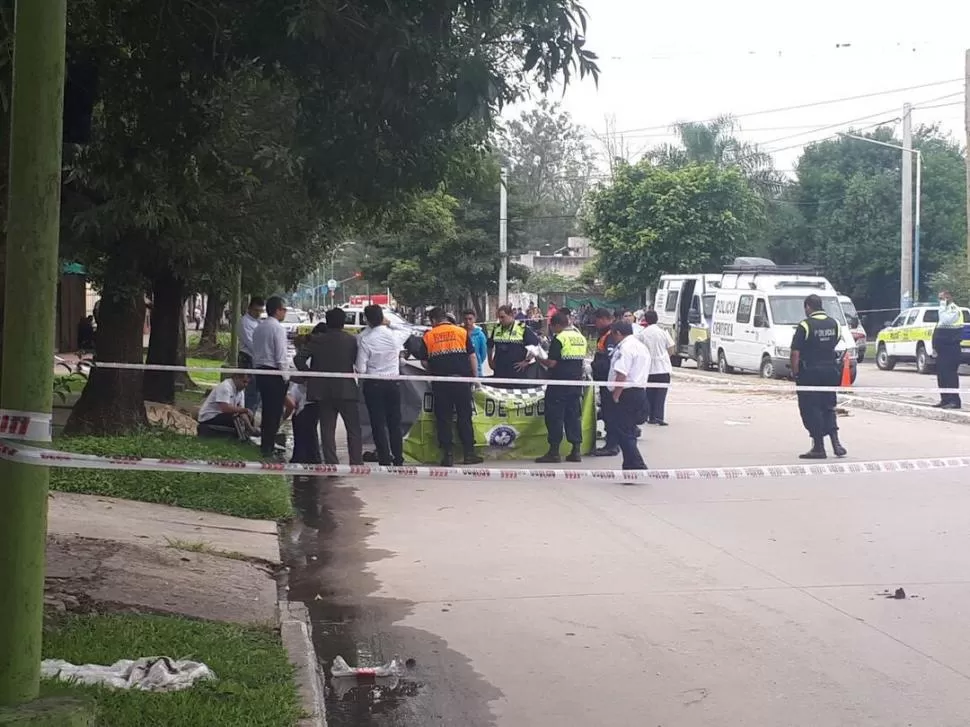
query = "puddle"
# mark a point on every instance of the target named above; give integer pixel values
(325, 548)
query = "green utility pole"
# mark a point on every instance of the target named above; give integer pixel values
(28, 335)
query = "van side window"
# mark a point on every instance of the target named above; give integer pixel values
(761, 314)
(744, 309)
(931, 315)
(911, 318)
(671, 304)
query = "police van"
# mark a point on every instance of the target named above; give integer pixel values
(684, 306)
(756, 309)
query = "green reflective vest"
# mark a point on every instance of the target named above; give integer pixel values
(515, 334)
(573, 344)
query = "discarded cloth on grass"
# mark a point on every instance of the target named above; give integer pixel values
(150, 673)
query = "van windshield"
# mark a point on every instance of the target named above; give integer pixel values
(708, 307)
(790, 311)
(849, 308)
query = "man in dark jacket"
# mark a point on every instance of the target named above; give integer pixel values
(332, 349)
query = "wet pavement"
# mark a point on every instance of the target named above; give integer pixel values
(727, 602)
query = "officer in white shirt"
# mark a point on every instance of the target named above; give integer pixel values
(630, 363)
(270, 353)
(225, 407)
(379, 349)
(659, 345)
(244, 332)
(947, 337)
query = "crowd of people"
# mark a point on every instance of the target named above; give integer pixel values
(627, 359)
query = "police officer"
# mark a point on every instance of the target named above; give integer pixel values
(564, 403)
(815, 363)
(946, 343)
(605, 345)
(450, 352)
(507, 354)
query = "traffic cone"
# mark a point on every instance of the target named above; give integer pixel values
(846, 372)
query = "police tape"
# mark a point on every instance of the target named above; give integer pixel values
(493, 380)
(16, 452)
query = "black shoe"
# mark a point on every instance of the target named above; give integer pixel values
(639, 432)
(447, 460)
(398, 463)
(661, 423)
(816, 452)
(549, 457)
(837, 449)
(606, 452)
(473, 459)
(575, 455)
(951, 406)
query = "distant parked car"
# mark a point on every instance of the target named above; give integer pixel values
(910, 338)
(855, 326)
(293, 320)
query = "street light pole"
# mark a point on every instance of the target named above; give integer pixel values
(919, 204)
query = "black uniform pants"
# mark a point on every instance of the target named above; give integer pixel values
(306, 442)
(817, 408)
(627, 416)
(948, 369)
(657, 397)
(383, 399)
(272, 391)
(453, 399)
(564, 409)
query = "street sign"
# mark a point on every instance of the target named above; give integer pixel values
(332, 284)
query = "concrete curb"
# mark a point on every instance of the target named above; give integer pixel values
(295, 632)
(952, 416)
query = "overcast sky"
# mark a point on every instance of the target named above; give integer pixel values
(664, 62)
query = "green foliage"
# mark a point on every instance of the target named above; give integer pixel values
(843, 215)
(654, 220)
(954, 276)
(252, 496)
(255, 683)
(548, 282)
(205, 377)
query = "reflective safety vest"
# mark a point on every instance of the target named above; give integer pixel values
(514, 334)
(573, 344)
(446, 339)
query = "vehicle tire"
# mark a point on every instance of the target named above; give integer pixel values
(702, 355)
(722, 364)
(924, 363)
(767, 368)
(884, 362)
(676, 361)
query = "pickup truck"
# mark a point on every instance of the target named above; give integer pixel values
(910, 338)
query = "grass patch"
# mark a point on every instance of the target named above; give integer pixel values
(255, 686)
(200, 546)
(253, 496)
(205, 377)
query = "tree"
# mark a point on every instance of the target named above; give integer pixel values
(654, 220)
(541, 282)
(551, 167)
(375, 98)
(843, 214)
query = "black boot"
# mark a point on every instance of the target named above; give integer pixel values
(447, 459)
(575, 455)
(550, 457)
(817, 451)
(837, 449)
(606, 452)
(472, 458)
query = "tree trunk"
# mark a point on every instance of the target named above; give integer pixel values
(163, 343)
(215, 302)
(113, 401)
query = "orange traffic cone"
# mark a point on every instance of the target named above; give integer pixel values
(846, 372)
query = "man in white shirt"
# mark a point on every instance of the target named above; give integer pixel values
(244, 332)
(947, 337)
(659, 345)
(270, 354)
(225, 407)
(379, 348)
(630, 364)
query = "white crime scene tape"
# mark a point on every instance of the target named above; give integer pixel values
(53, 458)
(30, 426)
(491, 380)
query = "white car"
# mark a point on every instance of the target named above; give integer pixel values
(855, 326)
(293, 320)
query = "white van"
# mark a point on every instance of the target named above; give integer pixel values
(684, 305)
(756, 310)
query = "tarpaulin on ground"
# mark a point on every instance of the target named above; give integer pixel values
(509, 423)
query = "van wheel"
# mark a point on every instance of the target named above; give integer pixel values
(676, 361)
(924, 363)
(703, 356)
(884, 362)
(767, 369)
(722, 364)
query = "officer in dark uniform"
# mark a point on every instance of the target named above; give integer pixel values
(507, 355)
(564, 404)
(601, 372)
(815, 363)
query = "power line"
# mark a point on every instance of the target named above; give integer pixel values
(797, 107)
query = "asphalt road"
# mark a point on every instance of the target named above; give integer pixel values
(725, 602)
